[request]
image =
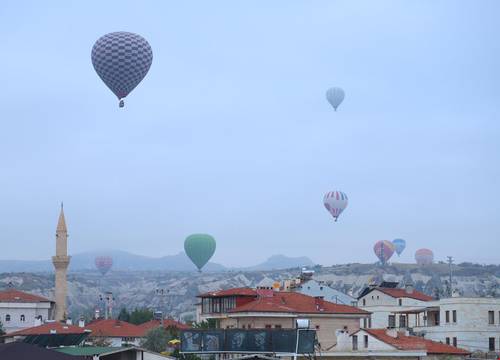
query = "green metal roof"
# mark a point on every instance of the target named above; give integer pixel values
(88, 350)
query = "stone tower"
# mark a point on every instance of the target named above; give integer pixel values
(61, 262)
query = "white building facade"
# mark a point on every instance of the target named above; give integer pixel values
(20, 310)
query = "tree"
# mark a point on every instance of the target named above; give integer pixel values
(2, 331)
(156, 340)
(140, 316)
(124, 315)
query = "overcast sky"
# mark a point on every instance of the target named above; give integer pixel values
(230, 132)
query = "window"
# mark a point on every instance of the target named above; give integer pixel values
(366, 341)
(277, 326)
(392, 321)
(365, 322)
(400, 302)
(447, 341)
(454, 316)
(355, 342)
(7, 318)
(402, 321)
(22, 318)
(268, 326)
(317, 327)
(447, 316)
(378, 297)
(455, 342)
(244, 327)
(372, 297)
(364, 302)
(369, 322)
(491, 317)
(492, 344)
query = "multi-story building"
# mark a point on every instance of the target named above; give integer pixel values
(20, 310)
(247, 308)
(388, 304)
(471, 323)
(115, 333)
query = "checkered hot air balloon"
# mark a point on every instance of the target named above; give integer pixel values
(122, 60)
(335, 202)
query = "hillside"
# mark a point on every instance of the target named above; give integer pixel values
(137, 288)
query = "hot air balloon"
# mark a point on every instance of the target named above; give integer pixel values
(384, 250)
(335, 202)
(199, 248)
(121, 59)
(399, 245)
(424, 256)
(103, 264)
(335, 96)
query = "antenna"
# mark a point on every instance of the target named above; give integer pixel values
(450, 263)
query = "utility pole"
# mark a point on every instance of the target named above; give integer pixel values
(108, 304)
(450, 263)
(162, 293)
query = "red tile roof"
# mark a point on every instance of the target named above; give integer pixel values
(114, 328)
(400, 293)
(403, 342)
(48, 328)
(293, 302)
(167, 323)
(16, 296)
(245, 291)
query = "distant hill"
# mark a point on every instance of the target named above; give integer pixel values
(123, 260)
(277, 262)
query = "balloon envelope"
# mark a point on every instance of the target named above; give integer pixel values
(383, 249)
(424, 257)
(103, 264)
(335, 96)
(399, 245)
(121, 59)
(199, 248)
(335, 202)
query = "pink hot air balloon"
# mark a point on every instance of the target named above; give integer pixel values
(103, 264)
(424, 257)
(384, 250)
(335, 202)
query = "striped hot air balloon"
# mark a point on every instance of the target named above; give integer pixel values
(335, 202)
(399, 245)
(424, 257)
(383, 249)
(335, 96)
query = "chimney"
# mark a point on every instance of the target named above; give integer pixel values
(319, 303)
(38, 321)
(81, 322)
(69, 321)
(409, 288)
(403, 332)
(392, 333)
(97, 314)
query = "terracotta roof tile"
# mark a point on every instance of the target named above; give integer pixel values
(47, 329)
(13, 295)
(114, 328)
(403, 342)
(230, 292)
(293, 302)
(399, 293)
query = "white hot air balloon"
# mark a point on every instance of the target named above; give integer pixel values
(335, 202)
(335, 96)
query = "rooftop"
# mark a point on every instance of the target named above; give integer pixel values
(115, 328)
(403, 342)
(244, 291)
(16, 296)
(49, 328)
(293, 302)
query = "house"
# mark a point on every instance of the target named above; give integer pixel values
(247, 308)
(391, 343)
(167, 324)
(110, 353)
(21, 351)
(115, 333)
(386, 301)
(50, 334)
(21, 310)
(471, 323)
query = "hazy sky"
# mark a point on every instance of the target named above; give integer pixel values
(230, 132)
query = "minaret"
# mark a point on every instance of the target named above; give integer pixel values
(61, 262)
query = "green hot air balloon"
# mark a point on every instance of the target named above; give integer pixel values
(199, 248)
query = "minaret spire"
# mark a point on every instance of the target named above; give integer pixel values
(61, 262)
